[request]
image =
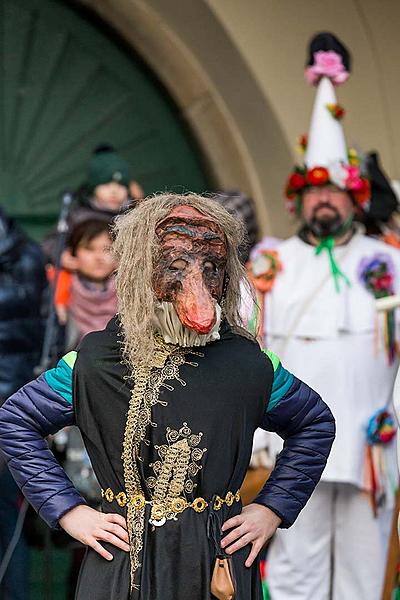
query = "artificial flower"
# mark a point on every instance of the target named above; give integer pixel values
(353, 180)
(354, 159)
(363, 194)
(296, 181)
(336, 111)
(263, 270)
(376, 273)
(328, 64)
(302, 142)
(318, 176)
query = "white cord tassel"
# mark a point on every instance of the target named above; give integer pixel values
(388, 303)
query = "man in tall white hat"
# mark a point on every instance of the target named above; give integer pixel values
(318, 292)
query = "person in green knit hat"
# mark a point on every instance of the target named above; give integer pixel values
(109, 186)
(108, 190)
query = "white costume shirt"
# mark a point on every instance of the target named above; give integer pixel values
(327, 338)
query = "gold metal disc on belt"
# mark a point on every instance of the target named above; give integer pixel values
(138, 501)
(199, 504)
(121, 499)
(217, 503)
(178, 505)
(229, 498)
(109, 494)
(157, 512)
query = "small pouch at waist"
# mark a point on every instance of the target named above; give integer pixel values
(222, 583)
(222, 580)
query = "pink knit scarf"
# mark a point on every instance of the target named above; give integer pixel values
(91, 309)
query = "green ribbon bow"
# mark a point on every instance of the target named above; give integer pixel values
(328, 244)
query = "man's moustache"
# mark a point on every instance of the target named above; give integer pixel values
(328, 206)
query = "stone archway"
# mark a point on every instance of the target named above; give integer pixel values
(187, 48)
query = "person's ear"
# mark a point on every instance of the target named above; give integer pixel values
(68, 261)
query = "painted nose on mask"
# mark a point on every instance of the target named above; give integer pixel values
(194, 304)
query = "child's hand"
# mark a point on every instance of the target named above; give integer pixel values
(62, 313)
(88, 526)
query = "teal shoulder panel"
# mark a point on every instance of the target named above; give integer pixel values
(60, 378)
(282, 380)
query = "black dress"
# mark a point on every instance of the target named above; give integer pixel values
(194, 447)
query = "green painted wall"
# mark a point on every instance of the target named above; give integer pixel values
(68, 84)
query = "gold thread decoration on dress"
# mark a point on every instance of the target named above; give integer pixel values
(178, 464)
(148, 381)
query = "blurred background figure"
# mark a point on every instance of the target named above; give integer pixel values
(93, 299)
(109, 187)
(103, 195)
(382, 220)
(318, 291)
(243, 207)
(22, 283)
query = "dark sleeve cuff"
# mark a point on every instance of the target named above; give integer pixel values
(58, 505)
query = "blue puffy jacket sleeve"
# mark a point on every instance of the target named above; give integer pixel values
(37, 410)
(297, 414)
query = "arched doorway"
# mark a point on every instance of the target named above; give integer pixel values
(68, 85)
(213, 85)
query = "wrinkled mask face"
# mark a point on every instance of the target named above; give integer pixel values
(191, 268)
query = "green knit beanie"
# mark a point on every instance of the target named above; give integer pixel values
(105, 167)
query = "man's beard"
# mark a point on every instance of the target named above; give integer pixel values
(329, 226)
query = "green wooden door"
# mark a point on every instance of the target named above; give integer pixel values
(66, 86)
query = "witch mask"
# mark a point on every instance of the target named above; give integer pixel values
(189, 275)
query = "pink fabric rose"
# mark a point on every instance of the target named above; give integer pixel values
(353, 179)
(328, 64)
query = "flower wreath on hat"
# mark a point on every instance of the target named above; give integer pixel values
(347, 177)
(341, 170)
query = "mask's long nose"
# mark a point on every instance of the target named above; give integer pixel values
(194, 304)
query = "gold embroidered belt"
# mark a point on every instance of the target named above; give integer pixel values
(174, 505)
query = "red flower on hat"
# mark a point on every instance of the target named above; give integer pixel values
(302, 142)
(318, 176)
(363, 193)
(336, 111)
(296, 181)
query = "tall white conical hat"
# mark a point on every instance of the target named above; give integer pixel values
(328, 65)
(326, 144)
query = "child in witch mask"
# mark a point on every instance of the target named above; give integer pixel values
(167, 399)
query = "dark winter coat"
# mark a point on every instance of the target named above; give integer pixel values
(22, 282)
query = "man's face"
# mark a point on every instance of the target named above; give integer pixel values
(325, 208)
(191, 269)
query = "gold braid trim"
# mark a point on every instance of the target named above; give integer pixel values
(147, 383)
(171, 480)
